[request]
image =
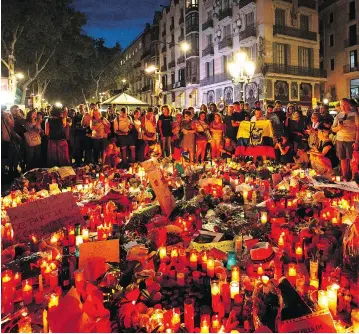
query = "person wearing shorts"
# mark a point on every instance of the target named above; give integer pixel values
(346, 126)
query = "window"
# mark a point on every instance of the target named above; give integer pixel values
(331, 40)
(352, 10)
(280, 17)
(193, 40)
(353, 34)
(209, 68)
(353, 59)
(332, 64)
(305, 57)
(281, 53)
(304, 22)
(173, 78)
(181, 75)
(249, 19)
(331, 17)
(224, 64)
(227, 31)
(191, 20)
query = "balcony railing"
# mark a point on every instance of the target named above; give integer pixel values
(208, 50)
(245, 3)
(192, 7)
(192, 53)
(296, 70)
(192, 28)
(206, 25)
(227, 12)
(227, 42)
(164, 48)
(351, 42)
(180, 60)
(326, 4)
(250, 31)
(171, 64)
(348, 68)
(164, 68)
(179, 84)
(216, 79)
(180, 38)
(294, 32)
(307, 3)
(145, 54)
(172, 44)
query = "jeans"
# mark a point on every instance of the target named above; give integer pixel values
(99, 145)
(88, 149)
(79, 148)
(166, 146)
(33, 156)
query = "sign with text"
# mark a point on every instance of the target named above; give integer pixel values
(94, 255)
(159, 186)
(317, 322)
(44, 216)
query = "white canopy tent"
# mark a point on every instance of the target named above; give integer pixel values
(125, 100)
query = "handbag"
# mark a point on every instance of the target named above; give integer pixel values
(32, 138)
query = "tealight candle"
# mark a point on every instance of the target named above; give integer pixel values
(162, 253)
(204, 327)
(210, 266)
(193, 260)
(264, 217)
(322, 299)
(235, 274)
(332, 294)
(85, 234)
(234, 289)
(215, 323)
(53, 300)
(26, 292)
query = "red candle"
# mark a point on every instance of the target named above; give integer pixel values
(183, 256)
(216, 298)
(17, 279)
(193, 260)
(216, 324)
(71, 236)
(189, 315)
(27, 292)
(8, 291)
(210, 267)
(226, 297)
(204, 261)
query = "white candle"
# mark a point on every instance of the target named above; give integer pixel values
(322, 299)
(332, 294)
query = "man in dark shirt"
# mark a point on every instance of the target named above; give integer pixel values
(325, 117)
(278, 109)
(239, 115)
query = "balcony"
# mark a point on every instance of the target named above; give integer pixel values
(172, 26)
(307, 3)
(179, 84)
(208, 51)
(172, 44)
(206, 25)
(164, 68)
(227, 42)
(192, 7)
(326, 4)
(350, 69)
(192, 28)
(296, 70)
(294, 32)
(164, 48)
(245, 3)
(215, 79)
(351, 42)
(192, 53)
(171, 64)
(227, 12)
(180, 60)
(145, 54)
(180, 38)
(250, 31)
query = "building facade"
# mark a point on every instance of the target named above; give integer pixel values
(281, 37)
(339, 47)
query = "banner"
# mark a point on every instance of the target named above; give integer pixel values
(44, 216)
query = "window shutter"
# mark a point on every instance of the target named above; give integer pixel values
(275, 53)
(311, 58)
(287, 54)
(300, 56)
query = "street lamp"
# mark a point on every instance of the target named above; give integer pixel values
(325, 101)
(20, 76)
(58, 104)
(151, 69)
(241, 69)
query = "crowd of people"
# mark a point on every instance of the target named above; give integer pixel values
(61, 136)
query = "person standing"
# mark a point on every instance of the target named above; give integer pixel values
(137, 135)
(33, 139)
(217, 129)
(202, 129)
(85, 123)
(238, 116)
(58, 150)
(79, 135)
(188, 129)
(149, 131)
(100, 128)
(165, 130)
(346, 126)
(296, 128)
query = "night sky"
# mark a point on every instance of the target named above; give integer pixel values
(118, 20)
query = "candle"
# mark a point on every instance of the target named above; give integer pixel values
(174, 254)
(260, 270)
(71, 236)
(238, 243)
(281, 240)
(163, 253)
(204, 261)
(53, 300)
(54, 279)
(79, 240)
(25, 325)
(27, 292)
(175, 320)
(45, 324)
(245, 196)
(17, 279)
(337, 178)
(54, 239)
(299, 252)
(313, 268)
(79, 279)
(226, 297)
(339, 326)
(292, 272)
(332, 295)
(314, 282)
(215, 323)
(8, 291)
(180, 278)
(215, 292)
(182, 256)
(204, 327)
(355, 320)
(264, 217)
(322, 299)
(231, 260)
(85, 234)
(235, 274)
(193, 260)
(46, 273)
(299, 283)
(189, 314)
(234, 289)
(210, 266)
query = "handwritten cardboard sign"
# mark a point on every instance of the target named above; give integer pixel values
(317, 322)
(44, 216)
(347, 186)
(159, 186)
(94, 255)
(225, 246)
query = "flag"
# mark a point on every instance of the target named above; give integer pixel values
(255, 139)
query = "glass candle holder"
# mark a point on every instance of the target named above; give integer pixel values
(234, 289)
(232, 260)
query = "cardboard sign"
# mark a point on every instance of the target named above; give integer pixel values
(159, 186)
(346, 186)
(94, 255)
(44, 216)
(66, 171)
(317, 322)
(225, 246)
